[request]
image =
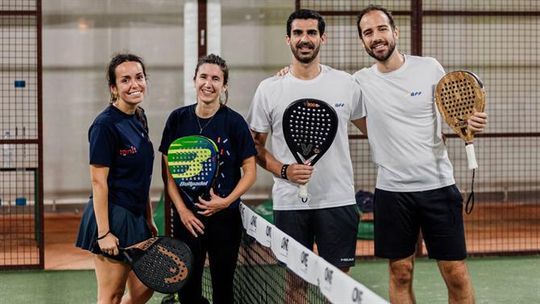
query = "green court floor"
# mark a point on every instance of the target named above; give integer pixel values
(496, 280)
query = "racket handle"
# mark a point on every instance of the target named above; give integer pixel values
(302, 193)
(471, 157)
(127, 256)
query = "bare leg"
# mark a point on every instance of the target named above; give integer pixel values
(401, 280)
(111, 278)
(347, 270)
(137, 293)
(458, 281)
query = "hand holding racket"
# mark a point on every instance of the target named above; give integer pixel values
(161, 263)
(458, 96)
(309, 128)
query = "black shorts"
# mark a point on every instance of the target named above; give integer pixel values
(399, 216)
(332, 229)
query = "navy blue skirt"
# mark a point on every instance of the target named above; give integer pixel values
(128, 227)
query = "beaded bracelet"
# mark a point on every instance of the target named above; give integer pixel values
(284, 171)
(103, 236)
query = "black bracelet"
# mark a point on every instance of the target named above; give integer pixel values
(284, 171)
(103, 236)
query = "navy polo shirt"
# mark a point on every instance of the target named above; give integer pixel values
(120, 141)
(227, 129)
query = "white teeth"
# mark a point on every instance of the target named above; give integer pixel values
(135, 93)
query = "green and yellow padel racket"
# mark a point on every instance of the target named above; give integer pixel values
(193, 164)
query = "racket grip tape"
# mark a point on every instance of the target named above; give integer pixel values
(303, 193)
(471, 157)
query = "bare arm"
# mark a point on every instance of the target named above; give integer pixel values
(265, 159)
(150, 218)
(190, 221)
(361, 125)
(297, 173)
(217, 203)
(100, 196)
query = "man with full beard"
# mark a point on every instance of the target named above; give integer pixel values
(330, 216)
(415, 188)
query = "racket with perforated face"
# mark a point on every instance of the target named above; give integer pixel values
(458, 95)
(161, 263)
(309, 128)
(193, 163)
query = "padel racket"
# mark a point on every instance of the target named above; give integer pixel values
(309, 128)
(458, 95)
(193, 164)
(161, 263)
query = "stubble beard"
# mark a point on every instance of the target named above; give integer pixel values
(304, 59)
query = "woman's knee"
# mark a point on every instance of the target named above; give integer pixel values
(110, 296)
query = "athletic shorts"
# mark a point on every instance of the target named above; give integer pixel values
(332, 229)
(400, 216)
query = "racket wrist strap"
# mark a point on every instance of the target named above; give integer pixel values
(284, 171)
(103, 236)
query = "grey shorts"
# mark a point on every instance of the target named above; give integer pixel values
(332, 229)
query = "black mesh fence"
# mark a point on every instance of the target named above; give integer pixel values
(21, 233)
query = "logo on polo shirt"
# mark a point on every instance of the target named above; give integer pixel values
(130, 151)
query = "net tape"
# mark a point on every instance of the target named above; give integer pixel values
(335, 285)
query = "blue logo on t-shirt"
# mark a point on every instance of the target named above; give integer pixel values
(416, 93)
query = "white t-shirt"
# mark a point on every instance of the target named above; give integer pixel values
(331, 184)
(404, 126)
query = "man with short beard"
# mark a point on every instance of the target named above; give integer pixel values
(415, 188)
(330, 217)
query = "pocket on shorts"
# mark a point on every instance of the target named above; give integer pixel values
(455, 204)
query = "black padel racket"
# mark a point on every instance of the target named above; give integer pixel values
(193, 163)
(309, 128)
(161, 263)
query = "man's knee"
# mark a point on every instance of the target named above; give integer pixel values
(401, 272)
(455, 274)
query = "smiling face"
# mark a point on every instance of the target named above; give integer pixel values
(305, 39)
(130, 84)
(378, 36)
(209, 83)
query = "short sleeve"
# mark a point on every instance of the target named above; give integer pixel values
(102, 139)
(168, 133)
(358, 109)
(258, 116)
(439, 69)
(244, 140)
